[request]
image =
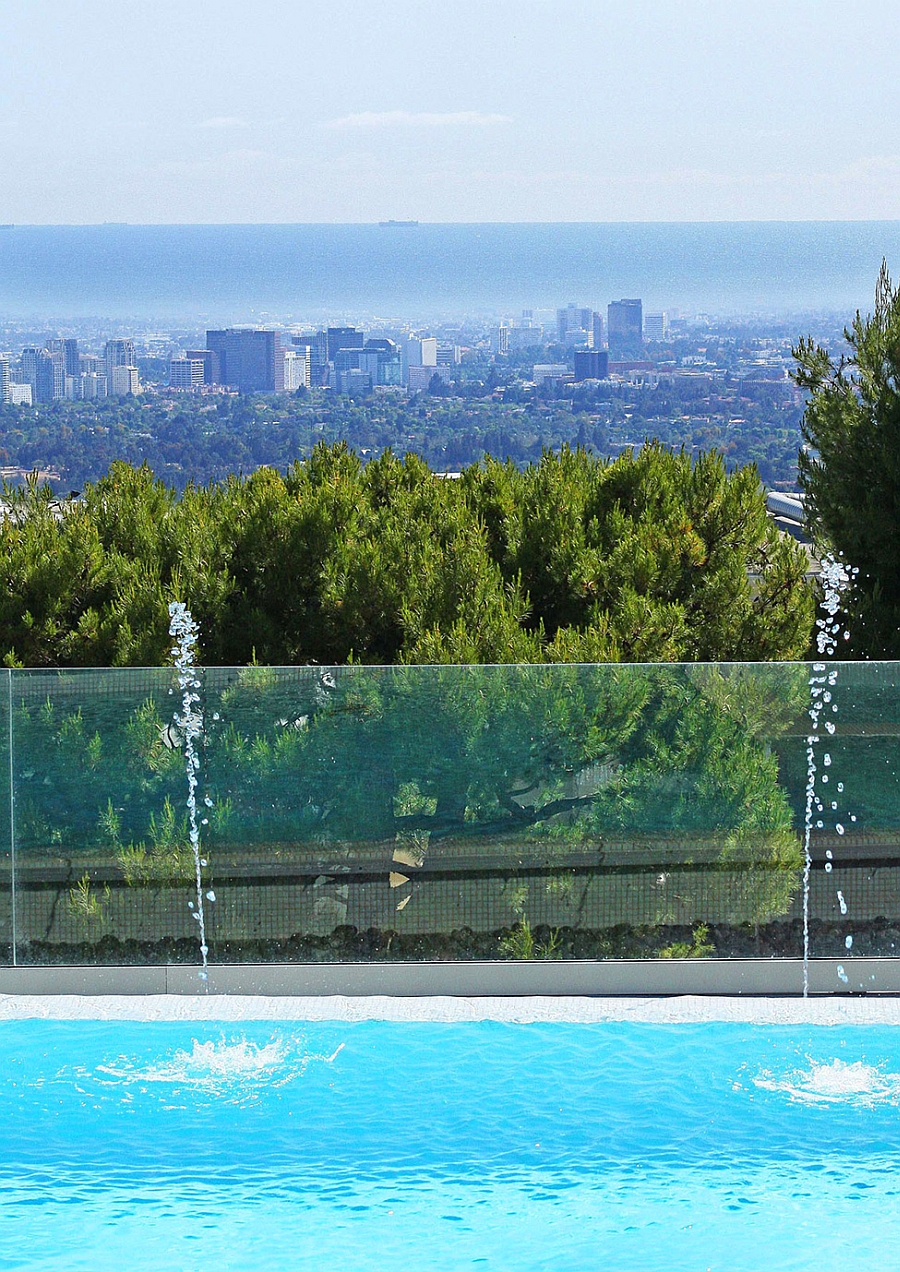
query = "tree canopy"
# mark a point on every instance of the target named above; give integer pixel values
(651, 557)
(851, 469)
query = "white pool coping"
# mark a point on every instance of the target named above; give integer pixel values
(685, 1009)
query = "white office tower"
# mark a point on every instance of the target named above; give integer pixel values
(20, 395)
(4, 377)
(656, 326)
(124, 380)
(421, 353)
(297, 369)
(185, 373)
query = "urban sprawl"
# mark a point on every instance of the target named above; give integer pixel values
(197, 405)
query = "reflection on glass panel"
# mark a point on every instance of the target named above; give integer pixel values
(5, 827)
(855, 879)
(100, 846)
(412, 812)
(454, 813)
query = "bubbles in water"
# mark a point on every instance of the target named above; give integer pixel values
(842, 975)
(848, 942)
(841, 902)
(839, 828)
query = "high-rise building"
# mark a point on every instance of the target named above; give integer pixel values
(49, 374)
(450, 355)
(575, 326)
(250, 360)
(93, 385)
(296, 369)
(525, 337)
(20, 394)
(625, 327)
(317, 344)
(656, 326)
(4, 377)
(500, 340)
(186, 373)
(597, 330)
(591, 364)
(123, 381)
(118, 353)
(420, 378)
(72, 356)
(419, 353)
(343, 338)
(210, 364)
(69, 351)
(29, 365)
(387, 367)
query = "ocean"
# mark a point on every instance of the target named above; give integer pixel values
(254, 273)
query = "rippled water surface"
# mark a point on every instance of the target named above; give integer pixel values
(427, 1146)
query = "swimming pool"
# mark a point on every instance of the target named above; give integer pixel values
(432, 1144)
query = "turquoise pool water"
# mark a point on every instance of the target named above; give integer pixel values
(440, 1147)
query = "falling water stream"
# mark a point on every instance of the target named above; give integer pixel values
(835, 579)
(189, 720)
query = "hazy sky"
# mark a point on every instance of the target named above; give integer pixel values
(470, 110)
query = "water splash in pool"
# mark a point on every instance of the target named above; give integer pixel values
(225, 1068)
(835, 1082)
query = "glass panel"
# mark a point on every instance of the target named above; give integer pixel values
(99, 790)
(855, 878)
(501, 812)
(453, 813)
(5, 828)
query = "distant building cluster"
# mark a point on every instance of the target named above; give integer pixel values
(593, 345)
(584, 345)
(58, 371)
(340, 358)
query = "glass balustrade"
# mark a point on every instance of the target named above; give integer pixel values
(421, 813)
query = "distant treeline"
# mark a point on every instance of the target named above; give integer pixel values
(202, 439)
(575, 559)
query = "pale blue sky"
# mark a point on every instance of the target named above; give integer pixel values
(495, 110)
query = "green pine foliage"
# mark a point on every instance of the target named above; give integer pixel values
(651, 557)
(851, 469)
